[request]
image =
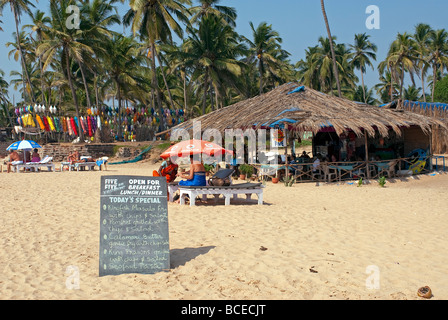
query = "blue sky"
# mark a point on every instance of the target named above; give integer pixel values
(300, 23)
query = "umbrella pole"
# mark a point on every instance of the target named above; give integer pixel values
(286, 152)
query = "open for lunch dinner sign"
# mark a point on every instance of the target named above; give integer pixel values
(134, 225)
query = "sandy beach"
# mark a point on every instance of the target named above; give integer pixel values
(305, 242)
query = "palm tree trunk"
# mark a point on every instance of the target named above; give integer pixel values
(423, 86)
(402, 81)
(363, 87)
(86, 87)
(333, 55)
(75, 99)
(25, 70)
(204, 98)
(119, 111)
(260, 69)
(164, 80)
(185, 91)
(155, 85)
(434, 80)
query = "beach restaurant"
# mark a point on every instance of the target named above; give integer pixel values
(350, 140)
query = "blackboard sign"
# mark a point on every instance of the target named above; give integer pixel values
(134, 225)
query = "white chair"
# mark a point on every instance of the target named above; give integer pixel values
(329, 173)
(45, 162)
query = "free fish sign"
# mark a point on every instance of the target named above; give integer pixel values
(134, 225)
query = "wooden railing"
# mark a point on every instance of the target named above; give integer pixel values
(341, 171)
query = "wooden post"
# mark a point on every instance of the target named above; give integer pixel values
(367, 154)
(286, 151)
(430, 149)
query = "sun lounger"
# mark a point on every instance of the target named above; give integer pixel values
(78, 166)
(46, 162)
(227, 191)
(83, 165)
(221, 174)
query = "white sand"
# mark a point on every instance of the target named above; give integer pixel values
(50, 221)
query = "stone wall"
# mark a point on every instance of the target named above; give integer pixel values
(59, 152)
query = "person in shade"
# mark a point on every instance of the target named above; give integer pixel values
(196, 175)
(35, 157)
(167, 169)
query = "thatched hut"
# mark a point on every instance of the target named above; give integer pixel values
(307, 110)
(434, 110)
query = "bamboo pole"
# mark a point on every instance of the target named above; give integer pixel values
(286, 151)
(367, 154)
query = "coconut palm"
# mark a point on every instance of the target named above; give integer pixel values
(412, 93)
(207, 7)
(154, 20)
(17, 8)
(264, 48)
(63, 43)
(124, 64)
(387, 89)
(438, 57)
(213, 50)
(363, 51)
(39, 22)
(402, 56)
(421, 37)
(335, 68)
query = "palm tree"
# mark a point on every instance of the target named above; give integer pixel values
(402, 56)
(124, 64)
(438, 57)
(17, 8)
(364, 94)
(154, 20)
(363, 51)
(213, 50)
(264, 48)
(387, 89)
(412, 93)
(335, 68)
(421, 37)
(207, 7)
(39, 22)
(64, 43)
(317, 71)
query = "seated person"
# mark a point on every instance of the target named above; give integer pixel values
(167, 169)
(74, 157)
(13, 157)
(304, 157)
(35, 157)
(316, 163)
(196, 175)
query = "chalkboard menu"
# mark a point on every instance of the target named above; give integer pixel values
(134, 225)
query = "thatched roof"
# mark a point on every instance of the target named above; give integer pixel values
(305, 109)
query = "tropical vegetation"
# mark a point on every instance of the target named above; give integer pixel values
(179, 56)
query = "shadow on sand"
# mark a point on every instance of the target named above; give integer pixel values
(180, 257)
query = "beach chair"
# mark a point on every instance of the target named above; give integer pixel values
(388, 170)
(16, 166)
(228, 192)
(46, 162)
(221, 177)
(102, 162)
(329, 174)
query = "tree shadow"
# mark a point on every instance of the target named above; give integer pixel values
(180, 257)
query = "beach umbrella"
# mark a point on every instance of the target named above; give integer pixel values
(24, 145)
(191, 147)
